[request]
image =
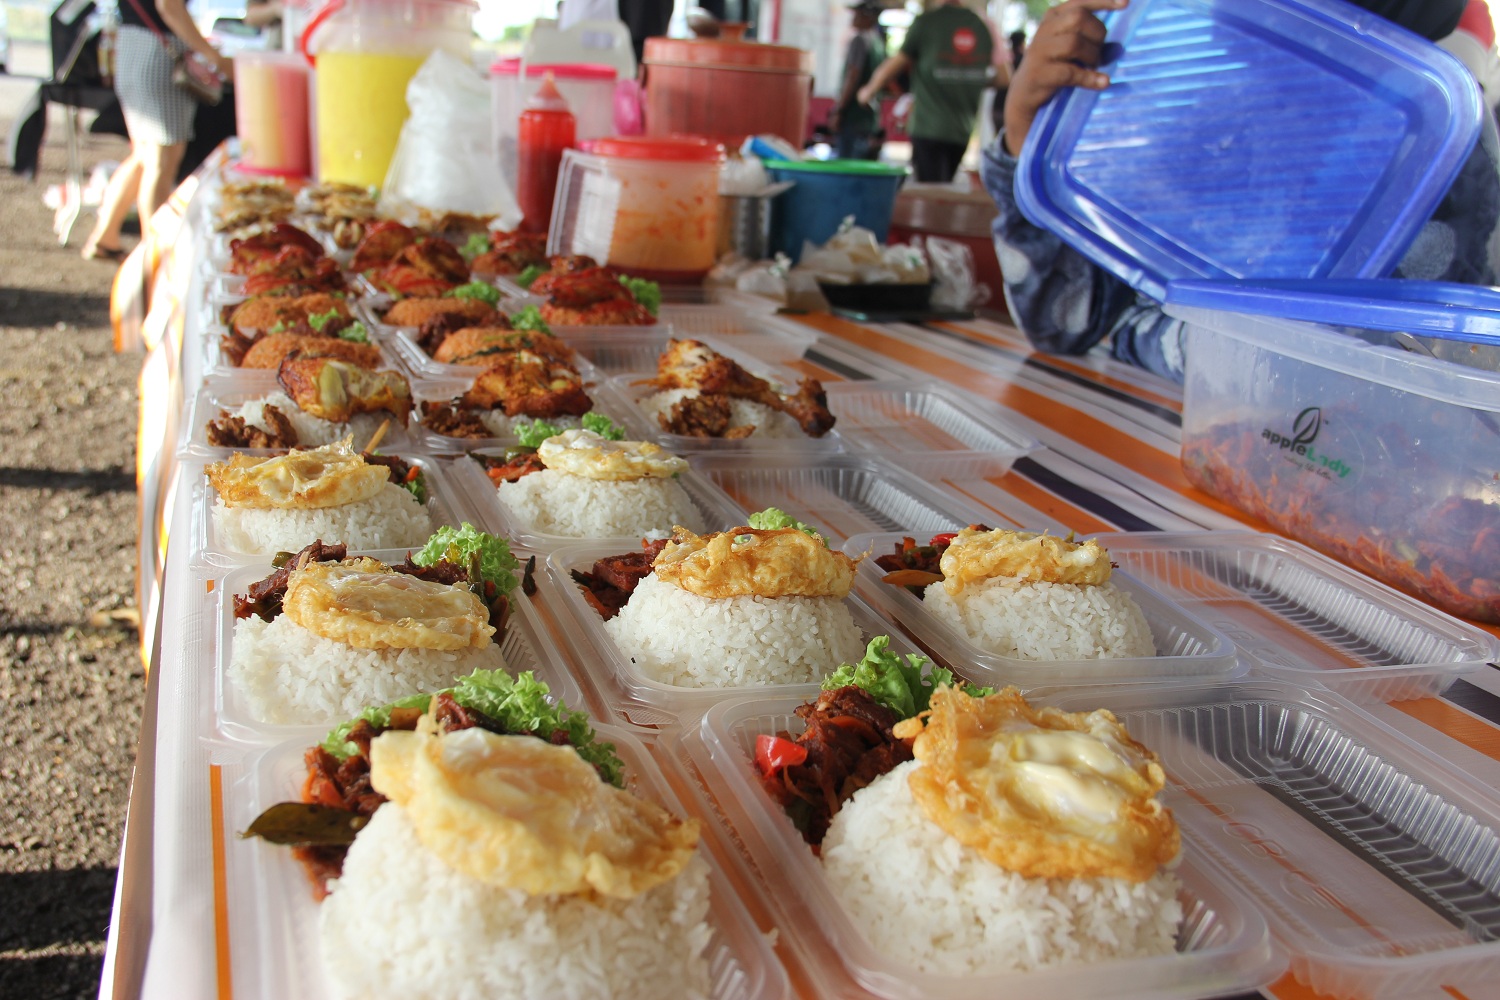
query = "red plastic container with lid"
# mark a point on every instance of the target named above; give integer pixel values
(726, 89)
(662, 194)
(547, 128)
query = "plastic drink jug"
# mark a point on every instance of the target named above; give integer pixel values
(270, 113)
(546, 128)
(367, 51)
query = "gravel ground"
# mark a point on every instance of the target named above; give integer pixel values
(70, 693)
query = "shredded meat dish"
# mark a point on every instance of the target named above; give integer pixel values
(610, 582)
(229, 431)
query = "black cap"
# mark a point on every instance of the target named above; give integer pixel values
(871, 7)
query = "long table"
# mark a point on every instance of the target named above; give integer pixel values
(1108, 462)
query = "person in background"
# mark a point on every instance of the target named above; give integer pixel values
(1017, 41)
(948, 51)
(158, 114)
(856, 125)
(1065, 304)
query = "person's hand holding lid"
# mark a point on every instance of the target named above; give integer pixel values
(1063, 53)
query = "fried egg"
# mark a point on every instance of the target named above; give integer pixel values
(741, 562)
(1041, 792)
(523, 813)
(330, 476)
(364, 603)
(976, 556)
(585, 453)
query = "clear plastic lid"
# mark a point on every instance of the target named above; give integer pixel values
(790, 440)
(1265, 138)
(219, 395)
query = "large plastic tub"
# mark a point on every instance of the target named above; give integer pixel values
(726, 88)
(1223, 945)
(827, 191)
(1386, 459)
(272, 931)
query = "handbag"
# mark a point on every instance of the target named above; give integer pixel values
(189, 72)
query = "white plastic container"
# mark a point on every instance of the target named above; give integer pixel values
(588, 88)
(605, 402)
(1302, 616)
(230, 394)
(633, 386)
(1224, 946)
(1187, 648)
(526, 646)
(273, 918)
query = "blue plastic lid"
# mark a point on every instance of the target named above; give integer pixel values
(1441, 309)
(1251, 138)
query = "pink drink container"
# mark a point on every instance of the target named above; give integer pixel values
(270, 111)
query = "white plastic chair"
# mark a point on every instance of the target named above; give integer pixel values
(605, 43)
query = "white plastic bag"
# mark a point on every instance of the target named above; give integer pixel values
(953, 273)
(445, 158)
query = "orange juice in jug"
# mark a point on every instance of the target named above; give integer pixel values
(361, 108)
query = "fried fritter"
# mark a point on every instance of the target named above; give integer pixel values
(366, 604)
(520, 812)
(510, 253)
(587, 454)
(415, 311)
(269, 351)
(478, 345)
(330, 476)
(611, 312)
(263, 312)
(337, 390)
(1041, 792)
(381, 243)
(526, 384)
(740, 562)
(975, 556)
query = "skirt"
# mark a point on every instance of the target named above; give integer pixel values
(156, 110)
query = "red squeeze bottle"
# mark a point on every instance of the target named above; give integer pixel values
(547, 128)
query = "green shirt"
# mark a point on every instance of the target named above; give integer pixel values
(950, 49)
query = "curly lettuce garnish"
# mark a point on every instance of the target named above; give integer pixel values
(462, 544)
(530, 318)
(647, 293)
(319, 320)
(355, 332)
(518, 703)
(603, 426)
(774, 518)
(531, 434)
(476, 244)
(894, 680)
(527, 277)
(481, 290)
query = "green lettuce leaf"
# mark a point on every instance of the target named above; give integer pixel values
(773, 518)
(458, 545)
(476, 244)
(603, 426)
(519, 703)
(319, 320)
(532, 433)
(355, 332)
(894, 680)
(647, 293)
(528, 276)
(417, 487)
(530, 318)
(481, 290)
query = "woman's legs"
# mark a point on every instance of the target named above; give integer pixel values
(158, 177)
(122, 190)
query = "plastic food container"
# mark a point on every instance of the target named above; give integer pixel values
(589, 90)
(649, 206)
(270, 113)
(230, 394)
(1317, 141)
(614, 350)
(824, 194)
(1372, 859)
(1224, 945)
(404, 338)
(525, 647)
(840, 495)
(446, 505)
(604, 400)
(1187, 648)
(926, 428)
(273, 920)
(716, 510)
(1301, 616)
(631, 684)
(632, 386)
(1386, 459)
(727, 89)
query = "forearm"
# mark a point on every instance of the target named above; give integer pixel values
(887, 71)
(258, 15)
(175, 16)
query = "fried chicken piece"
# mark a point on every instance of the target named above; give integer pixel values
(435, 329)
(510, 253)
(292, 266)
(382, 242)
(703, 417)
(450, 419)
(261, 313)
(809, 407)
(416, 311)
(526, 384)
(613, 312)
(269, 351)
(561, 266)
(233, 432)
(246, 253)
(337, 391)
(690, 364)
(435, 258)
(454, 223)
(479, 345)
(591, 297)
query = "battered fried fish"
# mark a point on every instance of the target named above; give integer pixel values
(269, 351)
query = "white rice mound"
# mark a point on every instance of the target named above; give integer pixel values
(679, 638)
(502, 426)
(768, 423)
(559, 503)
(391, 519)
(922, 898)
(286, 675)
(401, 923)
(1045, 621)
(311, 431)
